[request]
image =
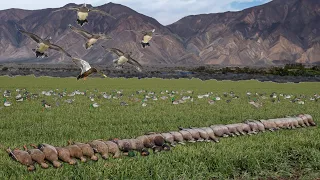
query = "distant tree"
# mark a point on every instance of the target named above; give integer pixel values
(200, 68)
(5, 69)
(279, 71)
(294, 66)
(238, 70)
(226, 70)
(315, 68)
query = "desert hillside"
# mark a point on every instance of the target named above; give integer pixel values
(281, 31)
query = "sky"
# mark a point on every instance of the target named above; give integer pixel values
(164, 11)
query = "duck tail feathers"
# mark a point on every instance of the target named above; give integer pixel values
(82, 22)
(144, 45)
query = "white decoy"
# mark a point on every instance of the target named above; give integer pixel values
(6, 103)
(95, 105)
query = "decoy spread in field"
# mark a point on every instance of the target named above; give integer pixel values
(55, 96)
(45, 154)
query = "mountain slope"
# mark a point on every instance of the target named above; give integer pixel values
(281, 30)
(277, 32)
(16, 46)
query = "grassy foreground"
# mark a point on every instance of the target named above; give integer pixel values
(288, 154)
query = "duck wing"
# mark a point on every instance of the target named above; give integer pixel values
(116, 51)
(163, 36)
(135, 63)
(49, 146)
(58, 48)
(83, 33)
(104, 36)
(82, 64)
(146, 33)
(31, 35)
(69, 8)
(102, 73)
(101, 12)
(142, 32)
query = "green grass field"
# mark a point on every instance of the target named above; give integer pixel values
(287, 154)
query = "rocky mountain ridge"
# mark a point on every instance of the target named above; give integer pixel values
(281, 31)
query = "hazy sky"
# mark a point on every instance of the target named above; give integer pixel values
(165, 11)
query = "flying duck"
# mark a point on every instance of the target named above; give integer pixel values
(83, 12)
(91, 38)
(43, 45)
(85, 67)
(124, 58)
(147, 36)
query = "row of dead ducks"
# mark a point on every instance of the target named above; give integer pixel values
(155, 141)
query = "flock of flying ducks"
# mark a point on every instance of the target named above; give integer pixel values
(82, 13)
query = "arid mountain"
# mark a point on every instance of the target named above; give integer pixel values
(276, 32)
(18, 47)
(281, 30)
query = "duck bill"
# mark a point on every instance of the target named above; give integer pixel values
(11, 154)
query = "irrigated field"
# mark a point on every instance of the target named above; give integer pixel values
(284, 153)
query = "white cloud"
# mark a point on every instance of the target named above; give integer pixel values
(165, 11)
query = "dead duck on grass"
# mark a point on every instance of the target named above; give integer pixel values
(50, 153)
(38, 156)
(22, 157)
(86, 150)
(100, 147)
